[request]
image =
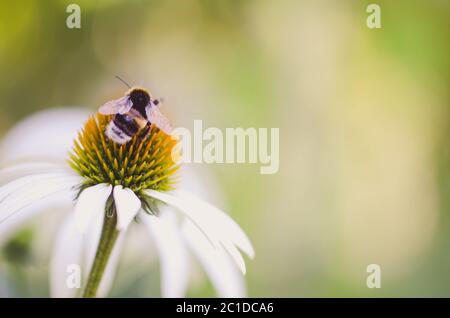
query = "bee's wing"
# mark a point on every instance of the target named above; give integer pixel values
(116, 106)
(157, 118)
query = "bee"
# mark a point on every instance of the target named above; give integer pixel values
(136, 110)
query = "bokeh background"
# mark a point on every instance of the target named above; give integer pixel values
(363, 115)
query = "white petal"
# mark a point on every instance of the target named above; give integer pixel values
(66, 261)
(127, 206)
(91, 243)
(225, 224)
(191, 212)
(16, 199)
(216, 225)
(45, 134)
(172, 252)
(235, 254)
(17, 170)
(90, 204)
(15, 185)
(224, 276)
(61, 200)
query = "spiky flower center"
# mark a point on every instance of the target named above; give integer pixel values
(145, 162)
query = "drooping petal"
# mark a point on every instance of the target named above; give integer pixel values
(127, 206)
(124, 206)
(172, 252)
(61, 200)
(26, 168)
(236, 255)
(17, 184)
(218, 227)
(224, 276)
(190, 211)
(16, 198)
(65, 263)
(226, 224)
(90, 204)
(56, 128)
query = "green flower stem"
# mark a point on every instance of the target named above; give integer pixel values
(107, 240)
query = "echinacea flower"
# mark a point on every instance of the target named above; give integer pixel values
(112, 185)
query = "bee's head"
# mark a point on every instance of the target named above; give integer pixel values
(140, 99)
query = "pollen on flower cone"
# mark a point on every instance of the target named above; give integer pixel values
(145, 162)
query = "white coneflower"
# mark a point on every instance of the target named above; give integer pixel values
(112, 185)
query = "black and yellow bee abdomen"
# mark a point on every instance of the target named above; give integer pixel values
(122, 128)
(127, 124)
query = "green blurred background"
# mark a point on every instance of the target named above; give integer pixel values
(363, 115)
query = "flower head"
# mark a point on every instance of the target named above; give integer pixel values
(114, 185)
(143, 163)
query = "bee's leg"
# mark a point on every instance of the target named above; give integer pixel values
(158, 101)
(146, 131)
